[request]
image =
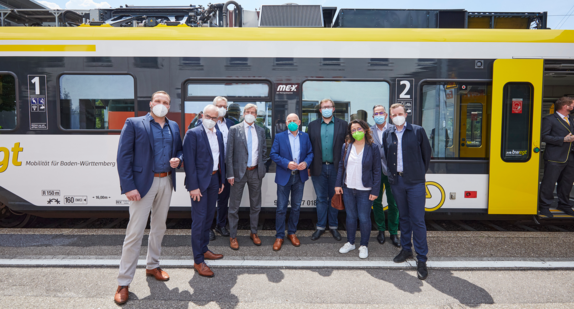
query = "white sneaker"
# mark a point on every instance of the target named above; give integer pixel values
(363, 252)
(346, 248)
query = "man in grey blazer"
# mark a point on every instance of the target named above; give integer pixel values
(245, 164)
(381, 124)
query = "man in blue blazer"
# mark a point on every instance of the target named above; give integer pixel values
(293, 154)
(148, 152)
(204, 163)
(408, 154)
(223, 125)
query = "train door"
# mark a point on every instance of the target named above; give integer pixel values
(515, 136)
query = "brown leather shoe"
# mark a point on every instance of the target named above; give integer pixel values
(233, 243)
(122, 295)
(255, 239)
(203, 270)
(277, 245)
(157, 273)
(212, 256)
(294, 240)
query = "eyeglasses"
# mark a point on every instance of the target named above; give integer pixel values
(327, 107)
(379, 114)
(357, 129)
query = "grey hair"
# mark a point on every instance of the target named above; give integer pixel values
(210, 107)
(250, 106)
(219, 99)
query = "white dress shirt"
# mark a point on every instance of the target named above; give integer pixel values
(224, 131)
(564, 116)
(400, 148)
(214, 145)
(254, 142)
(354, 178)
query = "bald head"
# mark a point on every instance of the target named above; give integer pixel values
(292, 117)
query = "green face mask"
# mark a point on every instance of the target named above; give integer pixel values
(292, 126)
(358, 135)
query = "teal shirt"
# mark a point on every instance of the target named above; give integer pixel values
(327, 134)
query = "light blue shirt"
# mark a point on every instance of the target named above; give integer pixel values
(400, 148)
(295, 146)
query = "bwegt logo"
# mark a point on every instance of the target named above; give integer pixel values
(6, 158)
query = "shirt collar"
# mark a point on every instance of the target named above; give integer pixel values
(332, 121)
(561, 116)
(150, 118)
(246, 125)
(403, 130)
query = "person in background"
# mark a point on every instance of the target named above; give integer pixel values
(148, 152)
(204, 166)
(380, 117)
(327, 136)
(359, 179)
(408, 153)
(293, 154)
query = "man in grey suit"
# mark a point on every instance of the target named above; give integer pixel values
(380, 117)
(245, 163)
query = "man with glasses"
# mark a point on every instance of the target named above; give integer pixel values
(381, 124)
(327, 136)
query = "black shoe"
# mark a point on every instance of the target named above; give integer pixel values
(403, 256)
(543, 211)
(422, 272)
(567, 210)
(381, 237)
(211, 235)
(317, 234)
(335, 234)
(222, 231)
(396, 241)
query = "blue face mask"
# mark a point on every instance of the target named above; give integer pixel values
(327, 112)
(292, 126)
(380, 119)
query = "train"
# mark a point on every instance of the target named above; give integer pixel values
(480, 95)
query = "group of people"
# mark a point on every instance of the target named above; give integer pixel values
(220, 157)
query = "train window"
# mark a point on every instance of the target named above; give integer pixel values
(516, 122)
(353, 99)
(96, 102)
(453, 118)
(242, 90)
(8, 114)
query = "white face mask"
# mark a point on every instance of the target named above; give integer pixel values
(208, 124)
(159, 110)
(249, 118)
(222, 111)
(399, 120)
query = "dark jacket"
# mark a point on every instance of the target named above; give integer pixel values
(371, 167)
(135, 154)
(554, 129)
(281, 155)
(416, 153)
(198, 161)
(339, 135)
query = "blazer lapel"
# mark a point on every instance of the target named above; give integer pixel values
(243, 137)
(566, 124)
(147, 126)
(204, 134)
(376, 135)
(335, 131)
(289, 145)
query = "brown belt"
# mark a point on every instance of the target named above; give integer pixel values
(252, 168)
(161, 175)
(214, 172)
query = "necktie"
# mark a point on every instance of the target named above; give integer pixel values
(566, 118)
(249, 143)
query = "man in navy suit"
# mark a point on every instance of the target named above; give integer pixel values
(293, 154)
(223, 125)
(148, 152)
(204, 163)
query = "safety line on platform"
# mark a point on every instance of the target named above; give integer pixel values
(297, 263)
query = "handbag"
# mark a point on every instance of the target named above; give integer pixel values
(337, 200)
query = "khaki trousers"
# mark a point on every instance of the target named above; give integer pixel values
(157, 202)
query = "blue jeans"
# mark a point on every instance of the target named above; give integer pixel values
(411, 200)
(325, 189)
(358, 206)
(294, 187)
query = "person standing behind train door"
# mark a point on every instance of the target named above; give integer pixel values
(408, 154)
(327, 137)
(223, 125)
(149, 150)
(293, 154)
(557, 132)
(380, 117)
(246, 158)
(204, 166)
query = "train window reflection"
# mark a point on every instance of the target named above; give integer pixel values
(8, 115)
(96, 102)
(516, 122)
(249, 90)
(353, 99)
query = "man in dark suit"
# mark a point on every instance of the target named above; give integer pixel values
(148, 153)
(204, 165)
(223, 125)
(327, 136)
(558, 158)
(293, 154)
(408, 153)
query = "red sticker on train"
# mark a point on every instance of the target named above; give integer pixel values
(517, 106)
